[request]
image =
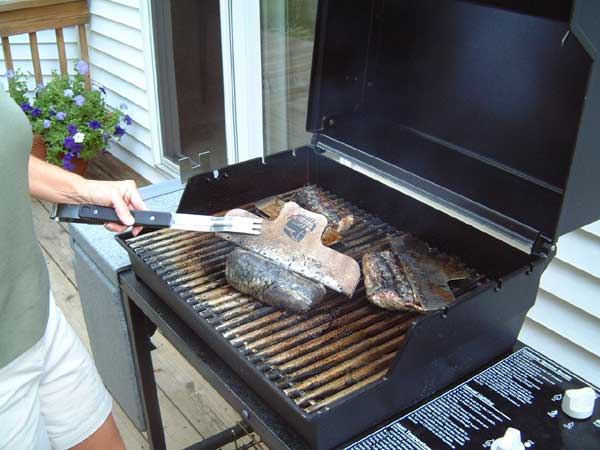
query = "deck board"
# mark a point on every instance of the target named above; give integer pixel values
(190, 407)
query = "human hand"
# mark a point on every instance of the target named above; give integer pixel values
(120, 195)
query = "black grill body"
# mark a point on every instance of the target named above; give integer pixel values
(438, 349)
(485, 110)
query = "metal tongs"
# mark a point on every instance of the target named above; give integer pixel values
(94, 214)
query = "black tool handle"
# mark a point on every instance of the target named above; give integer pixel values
(103, 214)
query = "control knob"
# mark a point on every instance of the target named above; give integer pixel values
(579, 403)
(510, 441)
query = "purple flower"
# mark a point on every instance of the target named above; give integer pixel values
(67, 164)
(127, 119)
(10, 74)
(37, 112)
(119, 131)
(47, 123)
(68, 93)
(82, 67)
(79, 100)
(61, 115)
(69, 142)
(26, 107)
(94, 125)
(123, 106)
(72, 129)
(102, 90)
(77, 148)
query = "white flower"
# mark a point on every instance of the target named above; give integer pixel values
(69, 93)
(79, 137)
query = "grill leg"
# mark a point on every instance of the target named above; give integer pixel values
(139, 335)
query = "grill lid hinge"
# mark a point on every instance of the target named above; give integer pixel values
(543, 246)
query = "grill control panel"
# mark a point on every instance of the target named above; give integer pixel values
(520, 395)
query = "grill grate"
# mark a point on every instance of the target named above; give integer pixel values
(314, 358)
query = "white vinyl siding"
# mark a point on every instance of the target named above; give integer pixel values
(118, 63)
(565, 321)
(116, 46)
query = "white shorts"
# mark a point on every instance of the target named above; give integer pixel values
(51, 396)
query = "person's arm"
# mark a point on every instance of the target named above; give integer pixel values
(53, 184)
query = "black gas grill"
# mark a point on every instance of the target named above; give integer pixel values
(460, 122)
(315, 359)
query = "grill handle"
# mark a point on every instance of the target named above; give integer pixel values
(95, 214)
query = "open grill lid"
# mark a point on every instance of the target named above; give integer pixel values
(488, 110)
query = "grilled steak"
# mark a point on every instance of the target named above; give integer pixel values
(385, 281)
(310, 197)
(257, 276)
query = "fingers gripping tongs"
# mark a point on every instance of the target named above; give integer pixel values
(94, 214)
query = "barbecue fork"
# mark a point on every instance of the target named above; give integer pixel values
(94, 214)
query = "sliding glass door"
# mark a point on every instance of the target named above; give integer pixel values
(190, 79)
(233, 76)
(287, 34)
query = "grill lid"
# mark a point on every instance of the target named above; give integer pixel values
(487, 111)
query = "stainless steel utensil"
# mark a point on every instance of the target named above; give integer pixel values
(95, 214)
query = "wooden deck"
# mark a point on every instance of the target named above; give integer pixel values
(191, 409)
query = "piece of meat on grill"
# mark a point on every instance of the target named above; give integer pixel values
(385, 281)
(428, 271)
(257, 276)
(314, 199)
(410, 275)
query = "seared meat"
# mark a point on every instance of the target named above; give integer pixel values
(257, 276)
(428, 272)
(310, 197)
(410, 276)
(385, 282)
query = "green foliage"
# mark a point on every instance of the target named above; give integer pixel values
(17, 86)
(73, 121)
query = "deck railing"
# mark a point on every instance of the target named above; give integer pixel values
(31, 16)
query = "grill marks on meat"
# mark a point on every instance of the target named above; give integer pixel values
(385, 282)
(410, 276)
(428, 271)
(257, 276)
(310, 197)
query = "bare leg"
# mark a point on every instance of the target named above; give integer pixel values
(107, 437)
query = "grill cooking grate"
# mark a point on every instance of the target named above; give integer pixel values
(315, 358)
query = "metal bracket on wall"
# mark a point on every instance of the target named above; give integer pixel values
(188, 167)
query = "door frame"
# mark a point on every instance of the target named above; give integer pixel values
(242, 81)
